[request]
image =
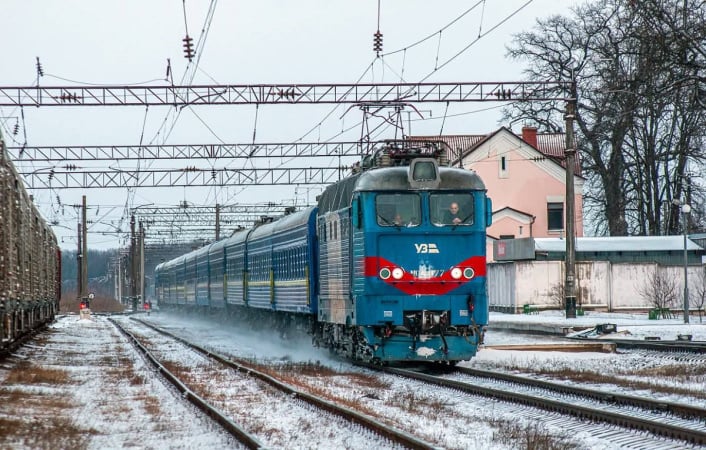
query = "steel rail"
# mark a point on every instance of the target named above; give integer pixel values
(376, 426)
(678, 409)
(663, 346)
(661, 429)
(231, 427)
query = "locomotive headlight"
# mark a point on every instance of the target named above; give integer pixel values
(397, 273)
(468, 273)
(456, 273)
(385, 273)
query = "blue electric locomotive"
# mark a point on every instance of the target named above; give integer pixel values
(399, 279)
(380, 271)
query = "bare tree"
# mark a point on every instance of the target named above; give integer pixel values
(697, 299)
(556, 295)
(659, 290)
(640, 108)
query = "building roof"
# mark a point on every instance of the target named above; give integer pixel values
(517, 211)
(617, 244)
(551, 145)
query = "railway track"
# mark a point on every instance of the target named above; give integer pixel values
(659, 419)
(586, 426)
(662, 346)
(363, 431)
(676, 409)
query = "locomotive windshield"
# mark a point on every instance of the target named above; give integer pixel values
(394, 210)
(451, 209)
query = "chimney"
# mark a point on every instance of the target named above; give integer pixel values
(529, 135)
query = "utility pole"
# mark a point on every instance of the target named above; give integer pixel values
(142, 264)
(118, 287)
(84, 253)
(570, 152)
(218, 221)
(79, 266)
(133, 264)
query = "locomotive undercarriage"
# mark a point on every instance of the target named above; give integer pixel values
(424, 336)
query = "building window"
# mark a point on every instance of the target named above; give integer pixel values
(555, 216)
(502, 167)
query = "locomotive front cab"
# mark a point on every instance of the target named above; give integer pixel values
(419, 286)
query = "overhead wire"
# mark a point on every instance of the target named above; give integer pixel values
(424, 39)
(437, 67)
(480, 36)
(315, 127)
(448, 61)
(318, 126)
(189, 73)
(86, 83)
(22, 144)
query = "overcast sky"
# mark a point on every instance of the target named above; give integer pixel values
(255, 42)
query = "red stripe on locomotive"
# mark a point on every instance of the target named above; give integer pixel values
(411, 285)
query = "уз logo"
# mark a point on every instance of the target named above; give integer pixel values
(426, 248)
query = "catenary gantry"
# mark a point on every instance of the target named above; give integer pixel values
(66, 178)
(54, 153)
(284, 94)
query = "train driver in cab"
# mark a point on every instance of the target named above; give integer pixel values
(453, 215)
(401, 221)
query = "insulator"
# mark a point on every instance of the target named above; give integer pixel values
(213, 174)
(188, 48)
(377, 41)
(289, 93)
(16, 129)
(69, 97)
(40, 71)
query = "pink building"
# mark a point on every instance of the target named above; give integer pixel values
(526, 179)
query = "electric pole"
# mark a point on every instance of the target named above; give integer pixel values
(84, 253)
(570, 269)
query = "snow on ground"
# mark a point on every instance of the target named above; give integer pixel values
(98, 394)
(451, 417)
(98, 350)
(630, 326)
(620, 365)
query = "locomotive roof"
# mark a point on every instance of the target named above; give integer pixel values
(396, 178)
(338, 195)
